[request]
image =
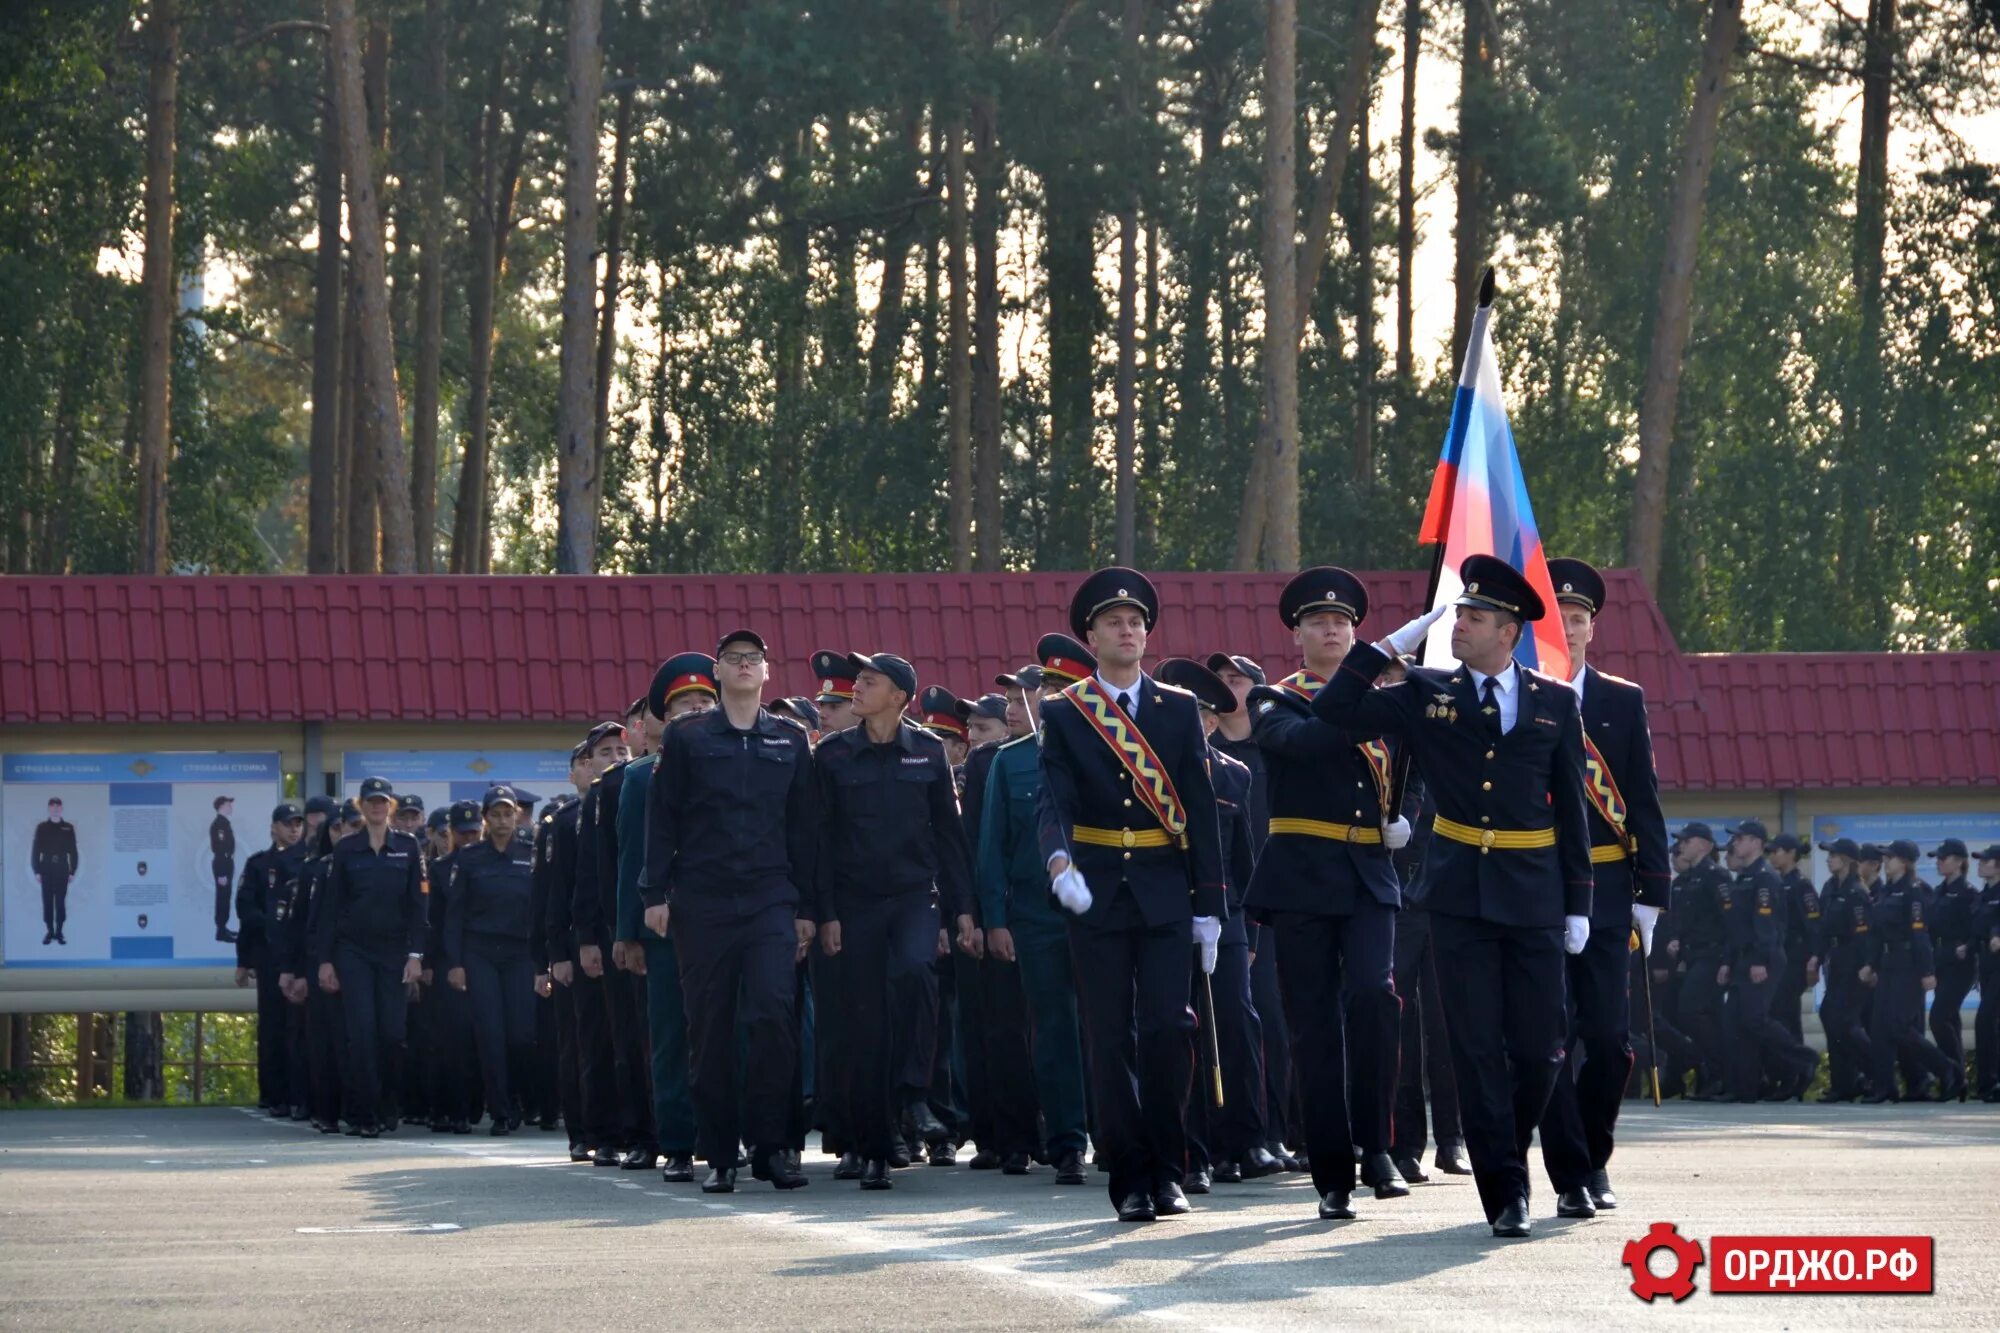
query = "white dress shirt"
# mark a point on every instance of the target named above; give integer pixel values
(1131, 693)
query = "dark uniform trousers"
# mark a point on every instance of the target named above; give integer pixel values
(500, 986)
(568, 1067)
(1424, 1061)
(224, 870)
(1895, 1029)
(1843, 1015)
(1336, 973)
(326, 1046)
(376, 1011)
(453, 1081)
(1577, 1129)
(731, 965)
(993, 1044)
(1041, 944)
(1132, 981)
(1955, 976)
(1231, 1132)
(1986, 1028)
(831, 1056)
(1701, 1018)
(666, 1026)
(1505, 985)
(273, 1060)
(889, 945)
(1656, 1018)
(1280, 1093)
(55, 900)
(1760, 1044)
(632, 1054)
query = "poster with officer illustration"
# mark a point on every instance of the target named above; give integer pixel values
(128, 860)
(439, 777)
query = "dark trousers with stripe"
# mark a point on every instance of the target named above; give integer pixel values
(1577, 1129)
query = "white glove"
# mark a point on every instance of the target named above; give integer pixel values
(1409, 636)
(1208, 934)
(1396, 834)
(1071, 891)
(1645, 918)
(1576, 933)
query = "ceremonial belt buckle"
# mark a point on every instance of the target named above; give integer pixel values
(1351, 833)
(1127, 838)
(1486, 841)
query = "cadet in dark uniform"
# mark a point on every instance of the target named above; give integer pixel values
(222, 864)
(1509, 874)
(1953, 904)
(550, 952)
(836, 690)
(326, 1028)
(1802, 933)
(889, 831)
(1843, 943)
(731, 833)
(829, 1032)
(948, 1115)
(371, 934)
(282, 935)
(603, 1125)
(684, 684)
(1024, 927)
(410, 816)
(1986, 940)
(1628, 855)
(490, 921)
(266, 876)
(1758, 1043)
(426, 997)
(1703, 941)
(1900, 968)
(1220, 1138)
(1130, 838)
(1326, 897)
(53, 862)
(454, 1087)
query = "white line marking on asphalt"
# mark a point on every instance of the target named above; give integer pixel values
(384, 1229)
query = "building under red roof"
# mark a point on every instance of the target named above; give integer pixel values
(78, 651)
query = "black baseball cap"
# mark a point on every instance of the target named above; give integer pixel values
(440, 819)
(499, 795)
(740, 636)
(373, 788)
(1846, 847)
(599, 732)
(285, 812)
(990, 705)
(1869, 852)
(1028, 677)
(1950, 847)
(1697, 829)
(464, 816)
(800, 707)
(415, 803)
(322, 805)
(1904, 849)
(1992, 853)
(350, 812)
(900, 673)
(1751, 828)
(1786, 842)
(1221, 662)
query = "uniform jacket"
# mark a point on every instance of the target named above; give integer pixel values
(256, 892)
(559, 886)
(1009, 871)
(889, 821)
(490, 896)
(1231, 779)
(1529, 779)
(1897, 930)
(374, 901)
(1953, 904)
(221, 839)
(1614, 717)
(1753, 921)
(1802, 917)
(54, 850)
(631, 819)
(594, 895)
(1084, 784)
(544, 883)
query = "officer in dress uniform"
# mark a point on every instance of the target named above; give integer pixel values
(490, 913)
(52, 858)
(371, 935)
(1901, 966)
(1843, 943)
(1952, 907)
(891, 843)
(684, 684)
(1758, 1043)
(732, 829)
(1130, 838)
(256, 899)
(1326, 896)
(1509, 874)
(550, 952)
(1222, 1136)
(1802, 933)
(1628, 854)
(1986, 940)
(1024, 927)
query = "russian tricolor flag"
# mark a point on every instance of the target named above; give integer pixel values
(1479, 505)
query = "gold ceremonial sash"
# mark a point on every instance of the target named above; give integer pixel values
(1305, 684)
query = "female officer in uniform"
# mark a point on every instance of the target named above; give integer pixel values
(370, 931)
(489, 918)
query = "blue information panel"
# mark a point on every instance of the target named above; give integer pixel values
(443, 776)
(128, 860)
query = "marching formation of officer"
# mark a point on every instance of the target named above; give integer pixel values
(1190, 926)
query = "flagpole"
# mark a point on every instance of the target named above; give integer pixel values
(1401, 781)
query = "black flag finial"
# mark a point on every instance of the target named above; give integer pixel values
(1486, 288)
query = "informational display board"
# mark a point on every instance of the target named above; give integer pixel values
(1976, 831)
(128, 860)
(443, 776)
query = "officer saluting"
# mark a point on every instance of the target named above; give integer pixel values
(1628, 854)
(1501, 748)
(1130, 838)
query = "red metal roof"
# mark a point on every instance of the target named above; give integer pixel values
(380, 649)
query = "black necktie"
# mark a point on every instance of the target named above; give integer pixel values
(1490, 707)
(1125, 703)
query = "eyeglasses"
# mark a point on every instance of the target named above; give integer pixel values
(743, 659)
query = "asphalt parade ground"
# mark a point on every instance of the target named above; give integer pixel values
(218, 1218)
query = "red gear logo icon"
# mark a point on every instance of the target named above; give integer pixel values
(1678, 1284)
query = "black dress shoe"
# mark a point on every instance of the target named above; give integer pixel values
(63, 941)
(1957, 1089)
(677, 1169)
(1575, 1203)
(1334, 1206)
(944, 1154)
(222, 936)
(1069, 1169)
(547, 1124)
(1411, 1170)
(1925, 1091)
(371, 1132)
(848, 1167)
(1228, 1173)
(984, 1160)
(606, 1157)
(1198, 1181)
(1380, 1173)
(327, 1126)
(353, 1131)
(300, 1115)
(1512, 1223)
(578, 1153)
(280, 1113)
(1599, 1186)
(721, 1180)
(461, 1126)
(1301, 1160)
(1877, 1099)
(48, 937)
(1452, 1160)
(500, 1128)
(899, 1156)
(1137, 1207)
(1170, 1202)
(920, 1122)
(875, 1174)
(775, 1167)
(1259, 1162)
(1014, 1164)
(639, 1159)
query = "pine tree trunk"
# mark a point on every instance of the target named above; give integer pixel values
(1357, 82)
(1125, 492)
(364, 538)
(782, 527)
(1406, 203)
(892, 312)
(1270, 515)
(156, 371)
(988, 171)
(1478, 47)
(323, 519)
(430, 292)
(379, 417)
(1363, 461)
(958, 331)
(1673, 308)
(614, 266)
(576, 399)
(1074, 312)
